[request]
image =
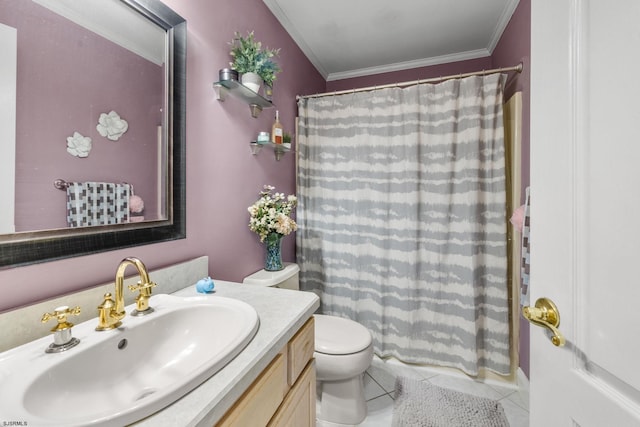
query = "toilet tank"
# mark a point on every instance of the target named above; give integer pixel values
(287, 278)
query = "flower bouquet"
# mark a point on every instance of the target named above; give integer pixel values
(270, 218)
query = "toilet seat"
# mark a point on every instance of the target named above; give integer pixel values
(339, 336)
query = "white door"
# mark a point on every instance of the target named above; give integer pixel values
(585, 210)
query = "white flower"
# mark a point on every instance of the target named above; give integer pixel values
(270, 213)
(112, 126)
(78, 145)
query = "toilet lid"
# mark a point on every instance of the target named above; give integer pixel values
(335, 335)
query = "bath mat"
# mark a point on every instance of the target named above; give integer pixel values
(422, 404)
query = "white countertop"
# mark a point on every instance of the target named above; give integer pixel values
(282, 312)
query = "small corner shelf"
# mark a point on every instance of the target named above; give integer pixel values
(278, 149)
(235, 88)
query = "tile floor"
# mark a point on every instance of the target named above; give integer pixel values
(379, 384)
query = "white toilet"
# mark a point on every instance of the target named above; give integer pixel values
(343, 351)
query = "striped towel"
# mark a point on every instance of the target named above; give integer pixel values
(97, 203)
(526, 250)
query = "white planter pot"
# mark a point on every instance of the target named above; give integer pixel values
(252, 81)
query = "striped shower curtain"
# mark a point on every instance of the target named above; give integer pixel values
(402, 218)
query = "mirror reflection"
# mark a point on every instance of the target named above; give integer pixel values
(88, 114)
(92, 127)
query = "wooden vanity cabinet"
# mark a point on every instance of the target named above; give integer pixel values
(284, 394)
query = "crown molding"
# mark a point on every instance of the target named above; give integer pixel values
(407, 65)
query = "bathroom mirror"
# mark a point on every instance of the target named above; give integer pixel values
(148, 156)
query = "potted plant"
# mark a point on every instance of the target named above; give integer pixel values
(286, 140)
(253, 62)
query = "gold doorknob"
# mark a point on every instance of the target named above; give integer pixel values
(545, 314)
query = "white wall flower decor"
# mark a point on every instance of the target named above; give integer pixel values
(78, 145)
(112, 126)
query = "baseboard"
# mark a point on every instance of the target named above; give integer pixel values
(522, 380)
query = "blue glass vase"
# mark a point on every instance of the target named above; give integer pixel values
(273, 259)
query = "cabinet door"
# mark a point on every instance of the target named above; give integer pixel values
(301, 348)
(299, 407)
(261, 400)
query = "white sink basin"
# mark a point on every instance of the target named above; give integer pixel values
(120, 376)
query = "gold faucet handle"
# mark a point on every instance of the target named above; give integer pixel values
(142, 287)
(142, 300)
(61, 314)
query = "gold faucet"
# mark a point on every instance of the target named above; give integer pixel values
(110, 312)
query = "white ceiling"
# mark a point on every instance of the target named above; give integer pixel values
(114, 21)
(351, 38)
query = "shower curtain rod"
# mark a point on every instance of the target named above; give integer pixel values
(516, 68)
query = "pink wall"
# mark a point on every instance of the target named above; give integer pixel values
(223, 178)
(59, 64)
(514, 47)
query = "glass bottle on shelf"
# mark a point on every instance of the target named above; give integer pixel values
(276, 130)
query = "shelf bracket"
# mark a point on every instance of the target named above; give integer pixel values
(221, 92)
(255, 110)
(255, 148)
(279, 152)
